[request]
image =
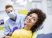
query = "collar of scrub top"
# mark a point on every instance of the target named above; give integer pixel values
(14, 19)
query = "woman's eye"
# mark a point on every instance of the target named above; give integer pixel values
(34, 19)
(30, 15)
(11, 10)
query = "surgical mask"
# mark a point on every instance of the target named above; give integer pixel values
(12, 15)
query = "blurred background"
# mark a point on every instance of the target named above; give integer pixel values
(23, 6)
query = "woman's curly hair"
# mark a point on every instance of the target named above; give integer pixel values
(41, 18)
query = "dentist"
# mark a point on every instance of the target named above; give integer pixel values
(14, 22)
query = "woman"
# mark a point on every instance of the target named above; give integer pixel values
(32, 22)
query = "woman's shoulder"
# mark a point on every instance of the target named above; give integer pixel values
(34, 35)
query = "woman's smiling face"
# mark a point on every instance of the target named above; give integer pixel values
(31, 20)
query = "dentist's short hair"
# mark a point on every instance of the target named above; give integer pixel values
(7, 6)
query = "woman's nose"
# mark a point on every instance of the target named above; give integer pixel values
(30, 19)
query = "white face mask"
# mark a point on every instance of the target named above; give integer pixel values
(12, 15)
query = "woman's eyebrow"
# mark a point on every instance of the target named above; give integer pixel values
(33, 17)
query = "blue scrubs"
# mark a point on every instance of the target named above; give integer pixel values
(11, 25)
